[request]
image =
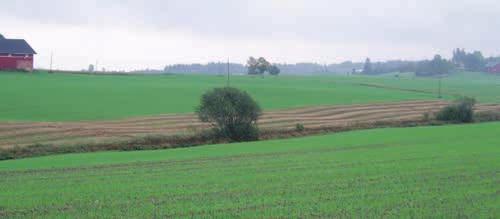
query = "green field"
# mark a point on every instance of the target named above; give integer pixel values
(60, 97)
(65, 97)
(483, 86)
(427, 172)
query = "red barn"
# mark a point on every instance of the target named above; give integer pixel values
(16, 54)
(494, 68)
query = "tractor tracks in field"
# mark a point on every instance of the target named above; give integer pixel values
(381, 86)
(12, 134)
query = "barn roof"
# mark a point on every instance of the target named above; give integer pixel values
(15, 46)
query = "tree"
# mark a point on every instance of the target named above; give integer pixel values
(252, 64)
(469, 61)
(459, 56)
(274, 70)
(368, 69)
(475, 61)
(232, 113)
(262, 65)
(437, 66)
(91, 68)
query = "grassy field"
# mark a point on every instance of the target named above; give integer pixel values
(64, 97)
(483, 86)
(438, 172)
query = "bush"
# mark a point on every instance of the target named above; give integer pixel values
(299, 127)
(487, 116)
(232, 112)
(427, 116)
(461, 110)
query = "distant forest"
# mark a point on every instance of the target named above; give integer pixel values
(461, 60)
(289, 69)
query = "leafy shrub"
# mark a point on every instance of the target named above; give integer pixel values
(299, 127)
(461, 110)
(487, 116)
(232, 112)
(427, 116)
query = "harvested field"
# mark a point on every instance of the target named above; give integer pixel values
(12, 134)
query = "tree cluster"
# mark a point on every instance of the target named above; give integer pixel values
(474, 61)
(260, 66)
(376, 68)
(436, 66)
(209, 68)
(215, 68)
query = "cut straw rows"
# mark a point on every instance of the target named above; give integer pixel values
(312, 117)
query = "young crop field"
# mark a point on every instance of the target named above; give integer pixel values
(67, 97)
(438, 172)
(482, 86)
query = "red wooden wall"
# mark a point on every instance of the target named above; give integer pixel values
(16, 63)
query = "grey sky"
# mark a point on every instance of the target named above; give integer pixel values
(132, 34)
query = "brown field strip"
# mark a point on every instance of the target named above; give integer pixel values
(23, 133)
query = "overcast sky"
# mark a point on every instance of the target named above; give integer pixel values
(136, 34)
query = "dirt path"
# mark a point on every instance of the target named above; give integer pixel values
(12, 134)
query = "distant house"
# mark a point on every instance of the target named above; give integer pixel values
(16, 54)
(493, 68)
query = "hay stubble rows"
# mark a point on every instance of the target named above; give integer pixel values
(26, 133)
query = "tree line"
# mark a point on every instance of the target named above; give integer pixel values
(461, 60)
(305, 68)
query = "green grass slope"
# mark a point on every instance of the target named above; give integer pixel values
(483, 86)
(63, 97)
(438, 172)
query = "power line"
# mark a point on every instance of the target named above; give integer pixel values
(439, 89)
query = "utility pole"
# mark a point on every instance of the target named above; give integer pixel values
(51, 57)
(228, 74)
(96, 63)
(439, 89)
